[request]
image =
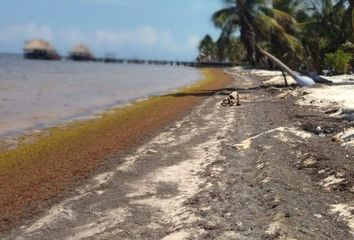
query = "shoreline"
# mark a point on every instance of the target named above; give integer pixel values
(63, 158)
(13, 139)
(81, 117)
(253, 171)
(44, 95)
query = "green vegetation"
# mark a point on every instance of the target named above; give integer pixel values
(338, 61)
(234, 51)
(207, 50)
(210, 51)
(293, 32)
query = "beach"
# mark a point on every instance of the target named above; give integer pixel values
(199, 171)
(177, 120)
(51, 161)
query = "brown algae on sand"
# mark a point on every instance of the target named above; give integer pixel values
(61, 136)
(37, 171)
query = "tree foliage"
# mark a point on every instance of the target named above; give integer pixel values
(207, 50)
(234, 51)
(298, 32)
(338, 61)
(231, 52)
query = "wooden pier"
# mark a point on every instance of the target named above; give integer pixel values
(163, 62)
(41, 49)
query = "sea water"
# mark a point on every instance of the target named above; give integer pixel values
(38, 94)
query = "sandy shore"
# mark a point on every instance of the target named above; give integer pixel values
(48, 164)
(257, 171)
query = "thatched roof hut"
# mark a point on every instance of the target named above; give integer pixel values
(40, 49)
(38, 44)
(81, 52)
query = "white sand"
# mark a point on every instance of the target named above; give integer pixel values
(279, 81)
(341, 78)
(325, 96)
(268, 77)
(342, 93)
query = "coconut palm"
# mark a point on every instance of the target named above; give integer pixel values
(321, 30)
(207, 50)
(235, 52)
(348, 20)
(255, 19)
(277, 46)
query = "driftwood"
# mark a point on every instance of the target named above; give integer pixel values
(232, 99)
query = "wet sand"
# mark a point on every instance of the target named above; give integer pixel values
(55, 162)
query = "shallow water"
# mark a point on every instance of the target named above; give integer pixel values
(38, 94)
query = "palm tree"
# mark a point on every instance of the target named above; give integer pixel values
(234, 52)
(253, 19)
(348, 20)
(322, 30)
(207, 50)
(277, 46)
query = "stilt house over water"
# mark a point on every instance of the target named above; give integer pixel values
(81, 53)
(40, 49)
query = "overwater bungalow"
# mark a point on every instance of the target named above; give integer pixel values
(81, 53)
(40, 49)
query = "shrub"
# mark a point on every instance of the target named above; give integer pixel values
(347, 47)
(338, 61)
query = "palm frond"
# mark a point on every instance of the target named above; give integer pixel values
(268, 24)
(220, 17)
(294, 44)
(279, 15)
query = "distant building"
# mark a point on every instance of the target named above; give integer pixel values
(40, 49)
(81, 53)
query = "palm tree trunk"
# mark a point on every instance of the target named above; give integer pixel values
(248, 35)
(277, 62)
(248, 38)
(302, 80)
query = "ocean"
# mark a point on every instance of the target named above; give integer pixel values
(37, 94)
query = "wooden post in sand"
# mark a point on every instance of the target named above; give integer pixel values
(235, 96)
(285, 79)
(232, 99)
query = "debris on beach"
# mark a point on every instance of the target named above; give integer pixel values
(337, 100)
(345, 137)
(232, 100)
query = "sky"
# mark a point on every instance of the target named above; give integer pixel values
(149, 29)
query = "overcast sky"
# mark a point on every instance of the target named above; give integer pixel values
(161, 29)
